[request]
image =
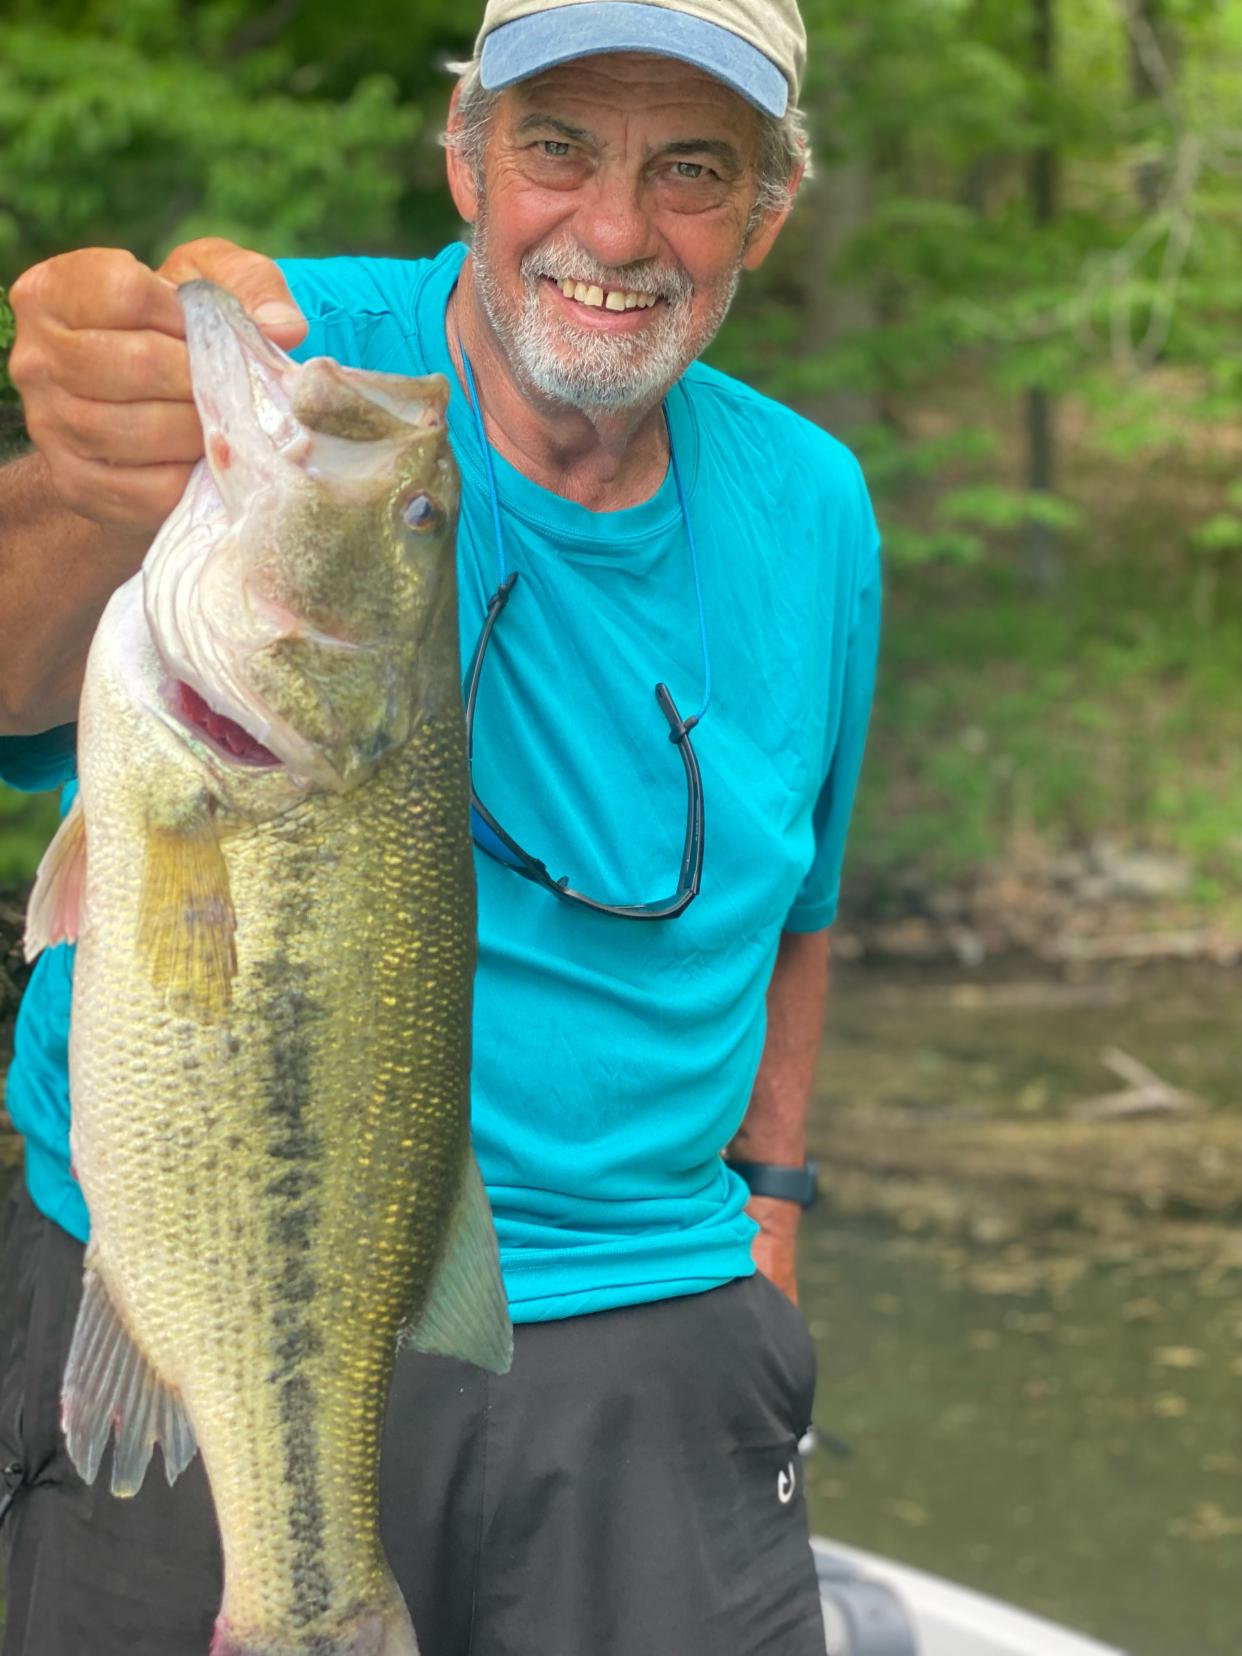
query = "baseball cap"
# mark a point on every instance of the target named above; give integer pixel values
(758, 47)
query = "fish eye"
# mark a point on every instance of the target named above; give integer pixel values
(422, 513)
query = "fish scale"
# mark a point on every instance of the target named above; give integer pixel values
(270, 1064)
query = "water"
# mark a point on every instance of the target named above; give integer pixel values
(1035, 1360)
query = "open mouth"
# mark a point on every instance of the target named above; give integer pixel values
(595, 297)
(224, 734)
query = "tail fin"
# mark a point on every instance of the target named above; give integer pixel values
(397, 1635)
(386, 1632)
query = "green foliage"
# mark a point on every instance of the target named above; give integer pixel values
(27, 823)
(1220, 533)
(12, 433)
(914, 300)
(1003, 719)
(992, 506)
(104, 141)
(935, 115)
(7, 332)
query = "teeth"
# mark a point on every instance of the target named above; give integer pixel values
(617, 299)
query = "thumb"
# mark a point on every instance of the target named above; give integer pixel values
(252, 277)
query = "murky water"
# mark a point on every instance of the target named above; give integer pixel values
(1039, 1386)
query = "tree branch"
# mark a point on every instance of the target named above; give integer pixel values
(262, 30)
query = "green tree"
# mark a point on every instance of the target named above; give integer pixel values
(143, 135)
(934, 300)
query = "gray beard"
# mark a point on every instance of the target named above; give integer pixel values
(589, 370)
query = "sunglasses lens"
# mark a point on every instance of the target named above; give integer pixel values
(488, 841)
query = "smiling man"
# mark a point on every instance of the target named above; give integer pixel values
(669, 600)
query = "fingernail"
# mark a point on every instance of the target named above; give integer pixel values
(274, 313)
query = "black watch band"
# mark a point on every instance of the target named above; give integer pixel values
(787, 1184)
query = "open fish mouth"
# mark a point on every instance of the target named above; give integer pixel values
(234, 738)
(230, 740)
(269, 658)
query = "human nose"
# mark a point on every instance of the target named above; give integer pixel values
(613, 223)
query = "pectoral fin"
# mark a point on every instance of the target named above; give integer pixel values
(55, 910)
(109, 1383)
(186, 924)
(467, 1311)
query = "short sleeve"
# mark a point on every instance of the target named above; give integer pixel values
(816, 903)
(350, 315)
(37, 764)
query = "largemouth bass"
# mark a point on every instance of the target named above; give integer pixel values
(268, 873)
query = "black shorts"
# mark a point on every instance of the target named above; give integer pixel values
(632, 1488)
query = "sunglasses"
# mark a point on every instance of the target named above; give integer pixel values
(492, 839)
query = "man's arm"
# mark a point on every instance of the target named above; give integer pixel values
(57, 571)
(774, 1128)
(101, 364)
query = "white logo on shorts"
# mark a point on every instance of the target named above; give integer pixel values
(787, 1483)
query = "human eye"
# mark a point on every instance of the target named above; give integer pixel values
(554, 163)
(689, 186)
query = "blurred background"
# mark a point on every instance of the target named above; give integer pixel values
(1014, 290)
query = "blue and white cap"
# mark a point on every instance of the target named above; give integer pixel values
(757, 47)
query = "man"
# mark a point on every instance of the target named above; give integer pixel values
(633, 1485)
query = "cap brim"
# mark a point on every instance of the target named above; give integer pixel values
(527, 46)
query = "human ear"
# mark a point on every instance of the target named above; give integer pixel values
(461, 180)
(763, 235)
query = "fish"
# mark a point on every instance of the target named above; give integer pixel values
(268, 874)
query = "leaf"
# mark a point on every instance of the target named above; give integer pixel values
(1220, 533)
(993, 506)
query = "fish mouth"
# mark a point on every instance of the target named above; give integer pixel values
(228, 739)
(234, 738)
(276, 432)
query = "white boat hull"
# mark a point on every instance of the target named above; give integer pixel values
(875, 1607)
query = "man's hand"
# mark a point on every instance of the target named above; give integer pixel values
(774, 1247)
(101, 364)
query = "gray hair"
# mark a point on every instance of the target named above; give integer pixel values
(783, 145)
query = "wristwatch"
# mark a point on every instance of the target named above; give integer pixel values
(787, 1184)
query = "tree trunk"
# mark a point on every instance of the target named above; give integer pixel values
(1040, 543)
(837, 309)
(1154, 58)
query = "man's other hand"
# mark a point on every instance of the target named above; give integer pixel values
(773, 1249)
(102, 367)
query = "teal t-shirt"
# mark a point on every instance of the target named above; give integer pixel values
(613, 1059)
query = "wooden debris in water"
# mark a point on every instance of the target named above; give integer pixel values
(1147, 1093)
